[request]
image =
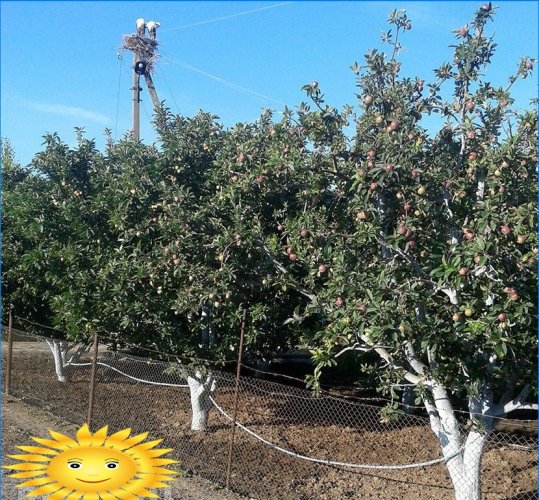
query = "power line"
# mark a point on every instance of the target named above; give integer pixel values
(227, 83)
(118, 97)
(169, 89)
(230, 16)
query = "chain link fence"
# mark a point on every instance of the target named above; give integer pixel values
(286, 444)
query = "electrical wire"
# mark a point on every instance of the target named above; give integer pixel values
(227, 83)
(120, 59)
(169, 89)
(230, 16)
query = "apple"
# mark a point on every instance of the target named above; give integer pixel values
(361, 215)
(472, 155)
(322, 268)
(362, 308)
(407, 206)
(421, 190)
(371, 153)
(221, 257)
(402, 229)
(260, 179)
(211, 296)
(289, 250)
(469, 106)
(413, 173)
(470, 134)
(271, 131)
(368, 100)
(280, 227)
(389, 168)
(237, 237)
(456, 317)
(174, 256)
(400, 195)
(339, 302)
(501, 189)
(228, 295)
(412, 244)
(361, 172)
(497, 172)
(394, 125)
(154, 219)
(463, 31)
(502, 316)
(463, 271)
(417, 213)
(373, 186)
(132, 191)
(402, 328)
(521, 239)
(241, 158)
(485, 6)
(505, 230)
(293, 257)
(468, 312)
(304, 232)
(513, 296)
(529, 65)
(234, 178)
(378, 120)
(176, 262)
(370, 164)
(477, 259)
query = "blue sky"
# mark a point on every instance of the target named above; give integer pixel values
(60, 67)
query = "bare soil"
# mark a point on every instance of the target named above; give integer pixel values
(324, 428)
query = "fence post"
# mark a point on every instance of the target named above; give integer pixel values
(236, 392)
(92, 383)
(9, 349)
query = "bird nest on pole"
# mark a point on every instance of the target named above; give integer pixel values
(146, 48)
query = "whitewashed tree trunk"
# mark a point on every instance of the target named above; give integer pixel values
(463, 462)
(60, 349)
(201, 389)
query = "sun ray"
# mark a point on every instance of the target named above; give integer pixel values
(118, 436)
(35, 482)
(46, 490)
(24, 475)
(138, 488)
(28, 466)
(124, 495)
(84, 436)
(51, 444)
(105, 496)
(159, 452)
(99, 437)
(31, 458)
(37, 449)
(60, 494)
(91, 496)
(76, 496)
(63, 439)
(132, 441)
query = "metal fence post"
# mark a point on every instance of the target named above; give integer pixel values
(92, 383)
(9, 350)
(236, 392)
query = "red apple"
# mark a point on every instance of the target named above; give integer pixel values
(293, 257)
(304, 232)
(234, 178)
(529, 65)
(394, 125)
(241, 158)
(402, 229)
(176, 262)
(470, 134)
(502, 317)
(260, 179)
(521, 239)
(280, 227)
(469, 105)
(322, 268)
(373, 186)
(389, 168)
(513, 296)
(485, 6)
(412, 244)
(472, 155)
(371, 153)
(463, 31)
(463, 271)
(505, 230)
(289, 250)
(413, 173)
(468, 235)
(339, 302)
(362, 308)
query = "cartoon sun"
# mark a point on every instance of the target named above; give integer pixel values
(94, 466)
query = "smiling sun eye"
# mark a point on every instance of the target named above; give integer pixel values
(74, 465)
(111, 465)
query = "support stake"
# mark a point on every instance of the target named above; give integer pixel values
(92, 383)
(236, 392)
(9, 350)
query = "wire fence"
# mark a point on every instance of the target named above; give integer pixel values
(263, 439)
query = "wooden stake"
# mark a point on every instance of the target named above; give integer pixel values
(92, 383)
(236, 392)
(9, 350)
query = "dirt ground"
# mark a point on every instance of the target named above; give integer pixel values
(21, 421)
(290, 418)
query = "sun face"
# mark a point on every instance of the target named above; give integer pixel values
(93, 466)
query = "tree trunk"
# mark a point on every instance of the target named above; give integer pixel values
(201, 391)
(59, 351)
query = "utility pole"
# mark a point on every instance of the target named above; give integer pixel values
(136, 99)
(144, 56)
